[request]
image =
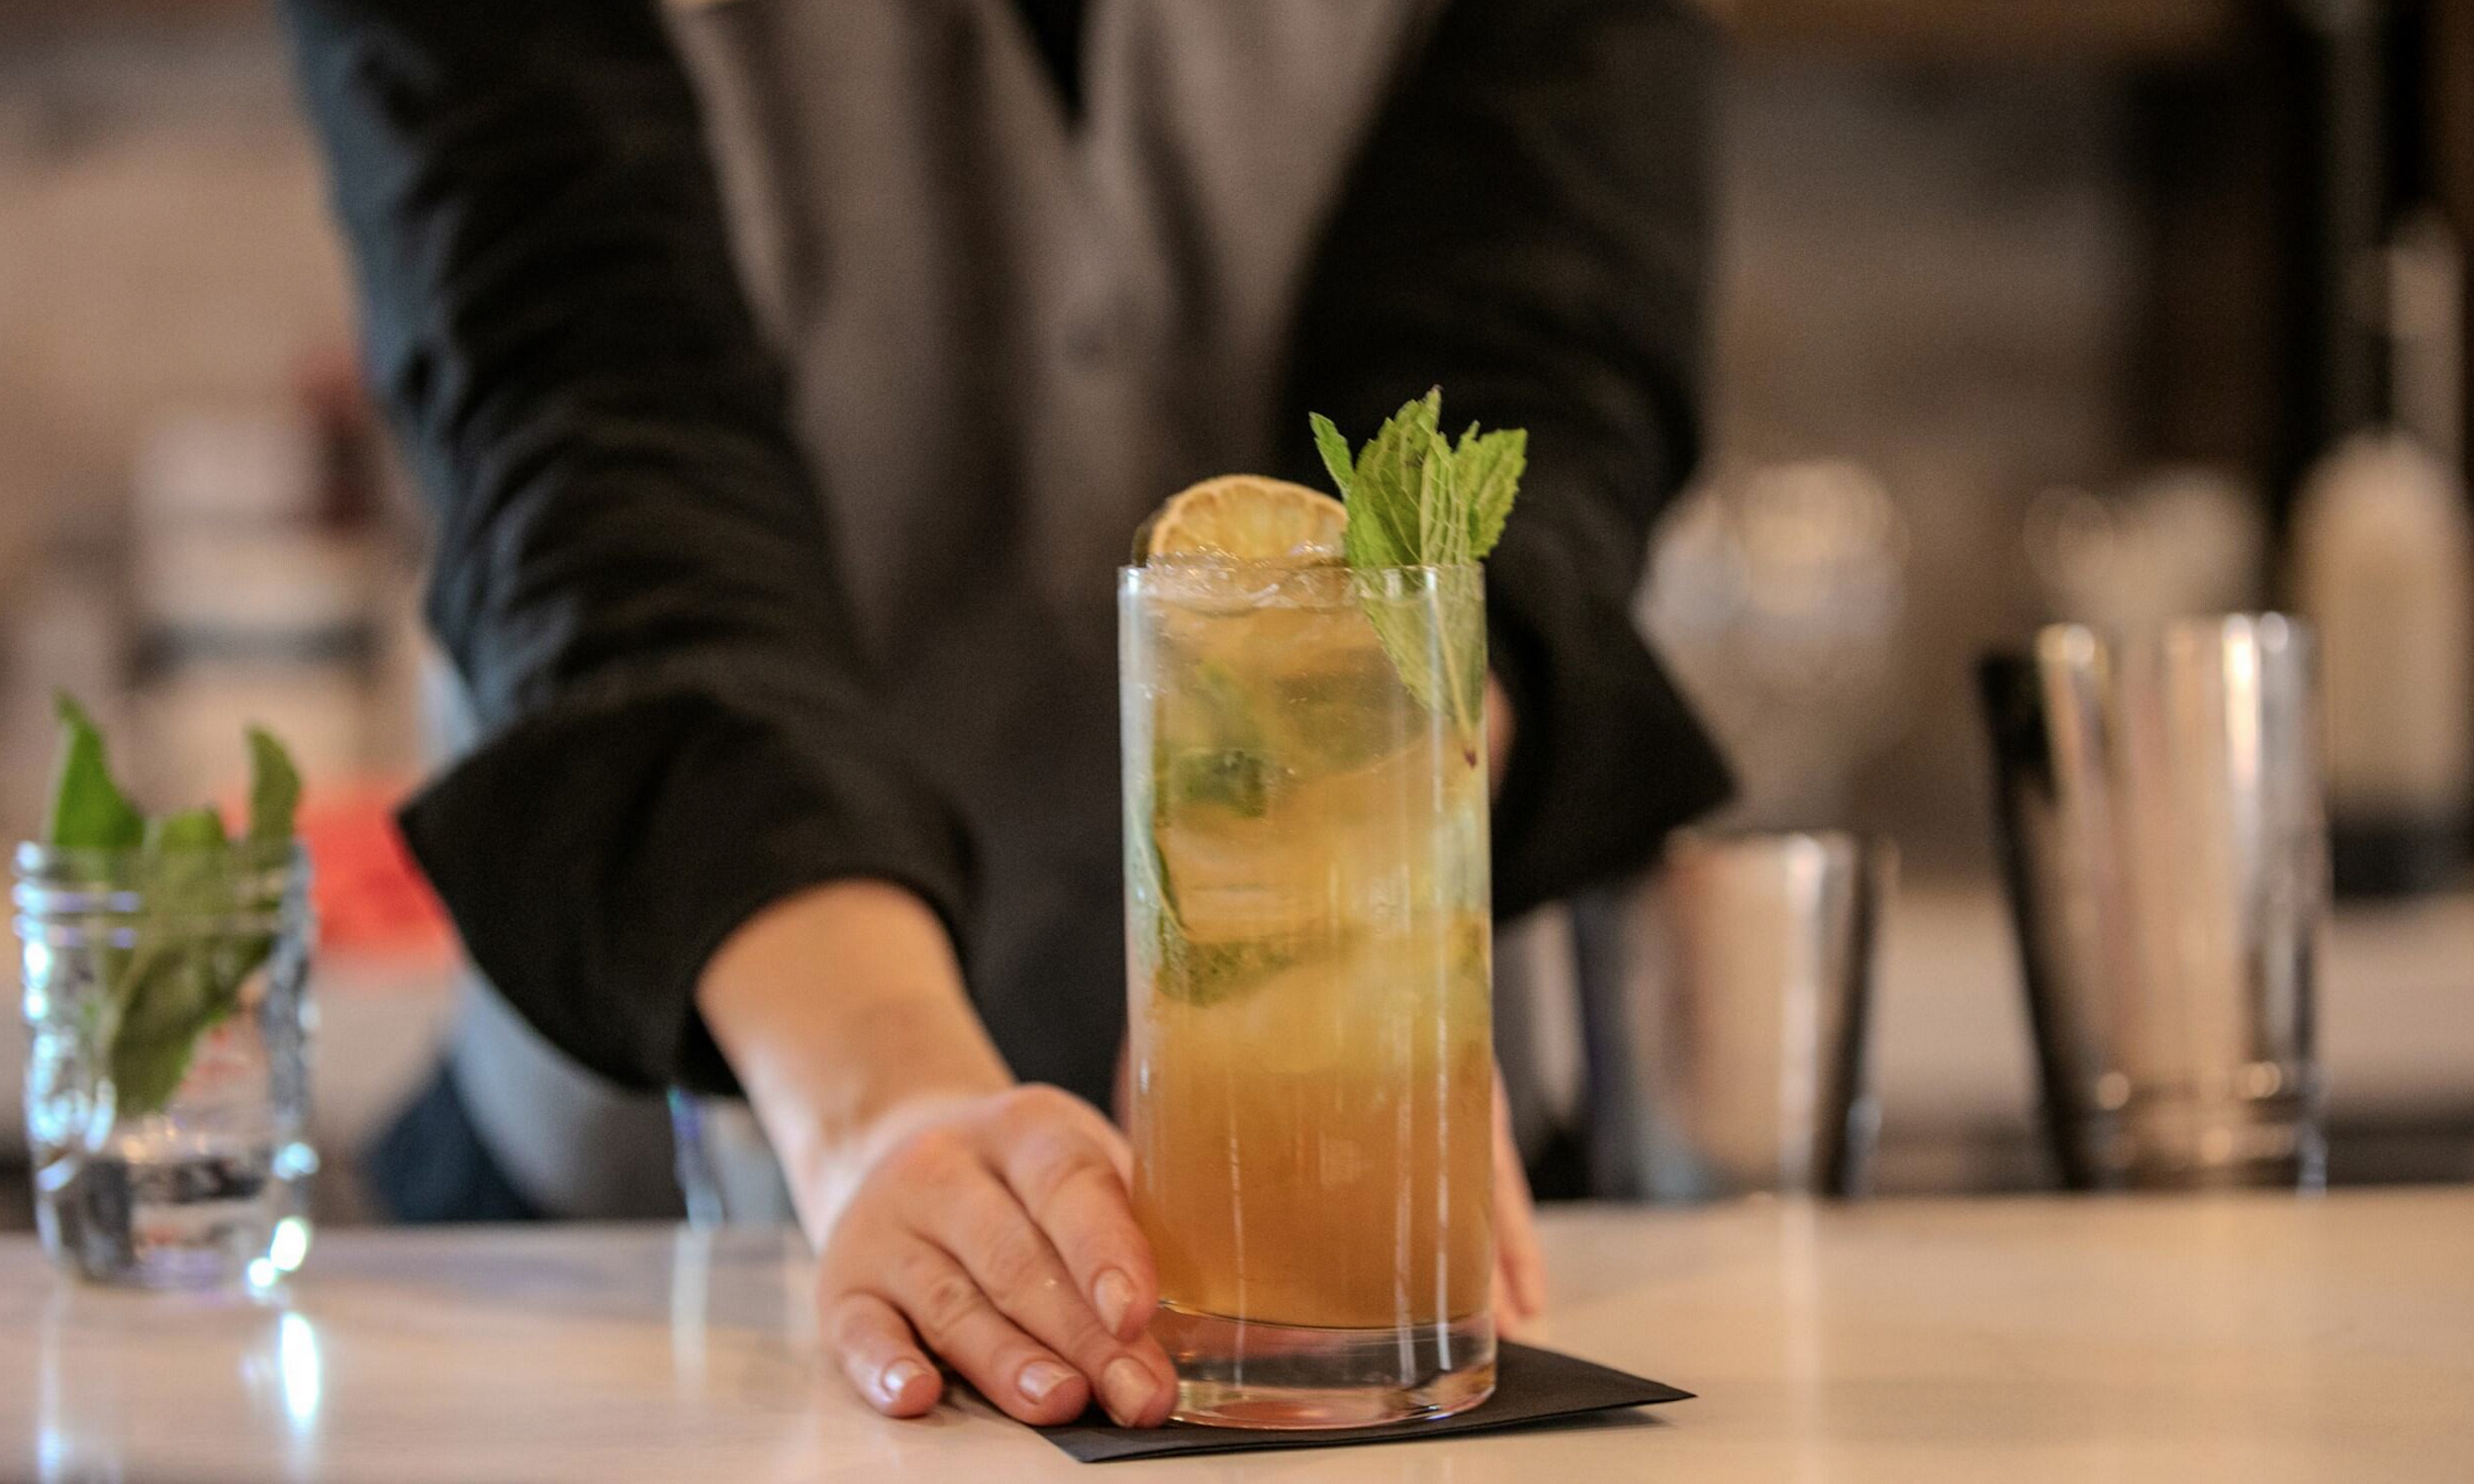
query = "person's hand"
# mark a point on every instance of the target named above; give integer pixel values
(995, 1232)
(954, 1213)
(1520, 1290)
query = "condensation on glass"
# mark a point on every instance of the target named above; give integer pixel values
(1310, 962)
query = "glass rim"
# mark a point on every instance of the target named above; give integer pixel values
(1133, 571)
(33, 857)
(1242, 586)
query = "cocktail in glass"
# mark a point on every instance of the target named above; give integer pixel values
(1308, 941)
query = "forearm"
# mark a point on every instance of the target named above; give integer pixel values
(843, 1012)
(633, 567)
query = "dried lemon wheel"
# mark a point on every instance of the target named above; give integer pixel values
(1245, 518)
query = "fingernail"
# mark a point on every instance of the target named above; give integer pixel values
(1114, 1294)
(894, 1379)
(1040, 1379)
(1127, 1387)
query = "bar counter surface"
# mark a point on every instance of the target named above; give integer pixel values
(2252, 1338)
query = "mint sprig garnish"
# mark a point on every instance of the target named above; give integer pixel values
(177, 976)
(1418, 500)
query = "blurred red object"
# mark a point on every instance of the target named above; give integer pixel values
(371, 898)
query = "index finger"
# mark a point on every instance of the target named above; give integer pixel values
(1067, 1178)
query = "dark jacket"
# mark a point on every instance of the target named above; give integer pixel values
(636, 574)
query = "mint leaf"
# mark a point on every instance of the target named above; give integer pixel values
(1395, 504)
(1239, 782)
(88, 810)
(275, 789)
(1440, 529)
(173, 986)
(1487, 469)
(146, 1070)
(1407, 633)
(191, 829)
(178, 1002)
(1464, 649)
(1150, 876)
(1416, 501)
(1211, 974)
(1388, 495)
(1334, 451)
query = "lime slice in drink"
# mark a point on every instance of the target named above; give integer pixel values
(1245, 518)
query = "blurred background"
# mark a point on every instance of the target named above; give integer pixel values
(2102, 310)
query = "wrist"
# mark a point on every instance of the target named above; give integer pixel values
(842, 1011)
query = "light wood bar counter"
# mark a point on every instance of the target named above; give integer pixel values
(2186, 1340)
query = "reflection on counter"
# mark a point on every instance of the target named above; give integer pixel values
(88, 1400)
(1929, 1341)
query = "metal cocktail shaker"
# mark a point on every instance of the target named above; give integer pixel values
(1743, 974)
(2166, 857)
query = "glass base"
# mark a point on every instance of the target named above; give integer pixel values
(201, 1217)
(1233, 1373)
(2169, 1142)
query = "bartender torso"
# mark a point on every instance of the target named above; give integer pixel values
(787, 376)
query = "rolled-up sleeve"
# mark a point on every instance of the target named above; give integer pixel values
(632, 572)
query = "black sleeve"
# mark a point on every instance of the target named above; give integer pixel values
(1526, 228)
(633, 572)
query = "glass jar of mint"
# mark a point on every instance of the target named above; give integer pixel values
(166, 1071)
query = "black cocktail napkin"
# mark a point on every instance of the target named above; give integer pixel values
(1530, 1385)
